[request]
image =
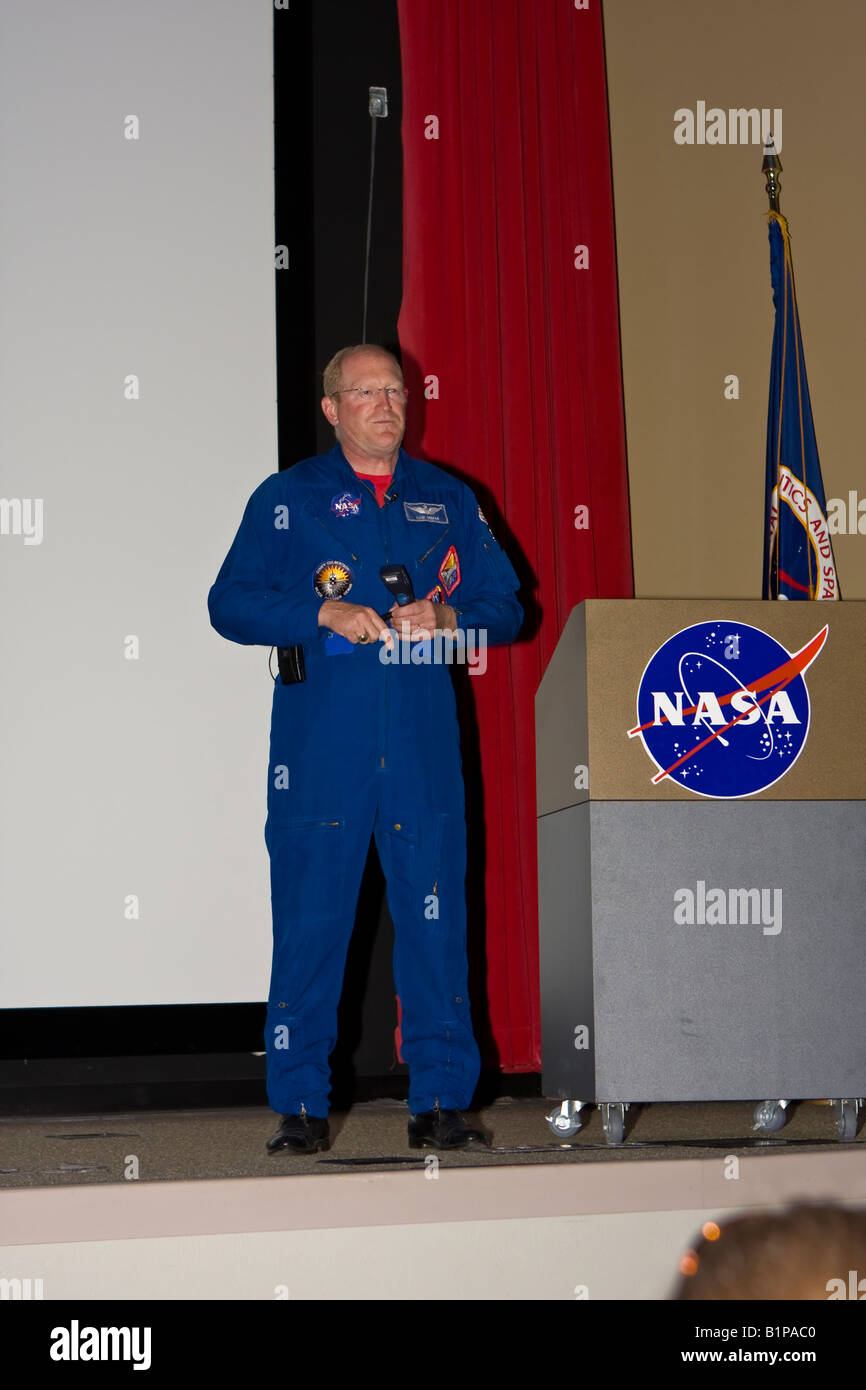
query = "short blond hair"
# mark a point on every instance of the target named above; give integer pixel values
(332, 376)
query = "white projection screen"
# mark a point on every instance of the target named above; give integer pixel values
(137, 414)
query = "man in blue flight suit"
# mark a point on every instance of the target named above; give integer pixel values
(364, 738)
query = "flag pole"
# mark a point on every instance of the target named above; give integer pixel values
(771, 168)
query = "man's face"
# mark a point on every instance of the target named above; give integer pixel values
(373, 428)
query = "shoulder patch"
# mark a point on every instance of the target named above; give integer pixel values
(449, 571)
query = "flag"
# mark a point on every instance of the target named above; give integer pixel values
(798, 552)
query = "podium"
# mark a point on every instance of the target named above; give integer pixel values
(701, 791)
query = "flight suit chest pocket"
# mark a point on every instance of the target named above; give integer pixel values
(307, 873)
(339, 536)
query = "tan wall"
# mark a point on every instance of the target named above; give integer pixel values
(694, 272)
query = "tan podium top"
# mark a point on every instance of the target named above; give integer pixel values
(692, 699)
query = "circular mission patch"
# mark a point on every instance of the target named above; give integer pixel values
(332, 579)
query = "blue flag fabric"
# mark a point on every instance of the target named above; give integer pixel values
(798, 552)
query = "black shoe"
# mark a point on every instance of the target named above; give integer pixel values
(444, 1129)
(301, 1134)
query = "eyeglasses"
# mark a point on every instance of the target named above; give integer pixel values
(369, 393)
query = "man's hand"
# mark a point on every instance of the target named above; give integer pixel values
(354, 621)
(419, 620)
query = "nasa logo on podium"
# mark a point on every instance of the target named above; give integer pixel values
(723, 709)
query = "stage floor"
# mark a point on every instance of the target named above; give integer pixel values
(203, 1145)
(188, 1205)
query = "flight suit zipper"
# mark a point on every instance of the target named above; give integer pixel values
(441, 537)
(384, 537)
(333, 534)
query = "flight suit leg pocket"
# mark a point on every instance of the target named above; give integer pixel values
(307, 866)
(437, 849)
(436, 876)
(398, 851)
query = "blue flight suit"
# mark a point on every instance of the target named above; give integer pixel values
(365, 745)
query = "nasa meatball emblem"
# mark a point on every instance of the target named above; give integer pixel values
(345, 504)
(332, 579)
(723, 709)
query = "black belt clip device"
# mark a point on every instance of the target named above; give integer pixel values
(290, 661)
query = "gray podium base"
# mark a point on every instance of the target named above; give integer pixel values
(712, 951)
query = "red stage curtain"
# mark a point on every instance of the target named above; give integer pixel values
(510, 339)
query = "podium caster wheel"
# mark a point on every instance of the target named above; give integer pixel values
(565, 1122)
(845, 1115)
(770, 1116)
(613, 1121)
